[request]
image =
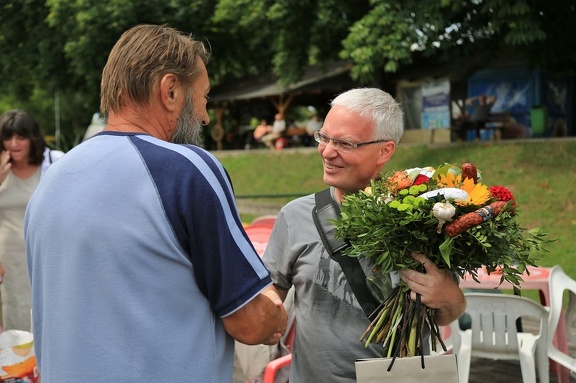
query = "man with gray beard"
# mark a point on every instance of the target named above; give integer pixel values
(189, 129)
(140, 268)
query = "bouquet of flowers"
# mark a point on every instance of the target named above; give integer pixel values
(450, 216)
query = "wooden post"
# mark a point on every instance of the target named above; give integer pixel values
(282, 105)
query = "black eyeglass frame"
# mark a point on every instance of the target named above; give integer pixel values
(318, 136)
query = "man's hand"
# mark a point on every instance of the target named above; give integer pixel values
(272, 293)
(262, 320)
(283, 321)
(437, 289)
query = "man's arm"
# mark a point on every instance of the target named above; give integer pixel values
(262, 320)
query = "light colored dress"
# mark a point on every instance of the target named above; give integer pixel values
(15, 193)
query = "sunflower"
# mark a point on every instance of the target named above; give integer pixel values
(449, 180)
(477, 193)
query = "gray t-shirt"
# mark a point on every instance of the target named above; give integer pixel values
(329, 320)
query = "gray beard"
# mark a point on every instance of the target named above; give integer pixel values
(189, 130)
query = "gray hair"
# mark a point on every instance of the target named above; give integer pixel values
(377, 105)
(141, 56)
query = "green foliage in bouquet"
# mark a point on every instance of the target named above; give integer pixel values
(446, 214)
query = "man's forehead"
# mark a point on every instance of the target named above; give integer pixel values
(203, 81)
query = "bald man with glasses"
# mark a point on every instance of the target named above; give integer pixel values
(358, 137)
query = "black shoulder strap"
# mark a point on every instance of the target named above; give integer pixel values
(322, 214)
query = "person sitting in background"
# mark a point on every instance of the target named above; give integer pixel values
(481, 106)
(24, 159)
(261, 130)
(313, 125)
(278, 128)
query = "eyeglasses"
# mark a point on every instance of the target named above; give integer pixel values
(343, 145)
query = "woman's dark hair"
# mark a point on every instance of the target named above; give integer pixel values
(24, 125)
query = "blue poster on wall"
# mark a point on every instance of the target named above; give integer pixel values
(513, 93)
(520, 91)
(436, 104)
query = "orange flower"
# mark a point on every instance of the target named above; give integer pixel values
(399, 180)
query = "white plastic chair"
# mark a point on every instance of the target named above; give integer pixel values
(494, 335)
(559, 283)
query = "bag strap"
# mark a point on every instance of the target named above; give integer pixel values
(324, 211)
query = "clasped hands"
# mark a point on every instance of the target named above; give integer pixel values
(283, 319)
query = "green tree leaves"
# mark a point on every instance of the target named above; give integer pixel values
(62, 45)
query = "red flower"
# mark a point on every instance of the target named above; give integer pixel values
(502, 194)
(421, 179)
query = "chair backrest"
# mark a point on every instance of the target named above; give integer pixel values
(494, 318)
(264, 220)
(259, 236)
(559, 284)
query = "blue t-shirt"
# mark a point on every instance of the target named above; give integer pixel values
(135, 253)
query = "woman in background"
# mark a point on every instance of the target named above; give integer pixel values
(261, 130)
(24, 157)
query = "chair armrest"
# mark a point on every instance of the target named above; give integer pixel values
(274, 366)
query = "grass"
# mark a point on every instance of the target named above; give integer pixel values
(540, 173)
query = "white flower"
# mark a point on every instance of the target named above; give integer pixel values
(446, 193)
(444, 211)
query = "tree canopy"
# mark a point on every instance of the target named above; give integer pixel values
(61, 46)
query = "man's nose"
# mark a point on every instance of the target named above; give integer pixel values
(328, 150)
(205, 120)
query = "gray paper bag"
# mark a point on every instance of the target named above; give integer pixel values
(438, 369)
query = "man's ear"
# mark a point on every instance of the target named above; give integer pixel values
(169, 92)
(386, 150)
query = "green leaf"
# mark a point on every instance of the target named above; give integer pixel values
(446, 249)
